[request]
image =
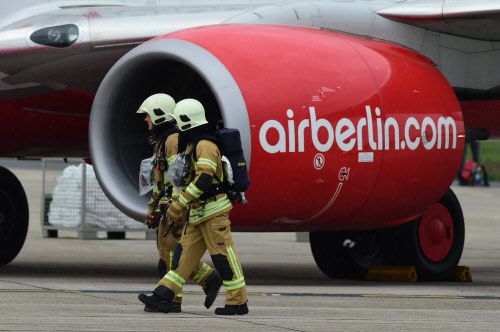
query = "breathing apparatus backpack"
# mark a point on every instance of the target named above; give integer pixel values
(230, 145)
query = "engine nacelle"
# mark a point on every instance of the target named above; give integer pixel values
(340, 132)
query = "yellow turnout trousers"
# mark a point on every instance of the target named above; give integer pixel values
(166, 244)
(213, 234)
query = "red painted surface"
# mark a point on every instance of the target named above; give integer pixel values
(283, 68)
(435, 233)
(309, 79)
(47, 125)
(482, 114)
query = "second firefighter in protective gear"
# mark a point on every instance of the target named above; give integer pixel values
(207, 207)
(159, 109)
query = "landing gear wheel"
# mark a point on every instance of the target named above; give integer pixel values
(14, 216)
(434, 242)
(347, 254)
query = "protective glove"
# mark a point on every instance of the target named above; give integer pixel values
(152, 221)
(177, 212)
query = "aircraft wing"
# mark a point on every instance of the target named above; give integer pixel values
(479, 19)
(74, 46)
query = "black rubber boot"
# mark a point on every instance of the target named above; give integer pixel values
(160, 301)
(230, 310)
(211, 289)
(176, 306)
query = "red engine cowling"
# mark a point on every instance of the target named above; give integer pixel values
(341, 132)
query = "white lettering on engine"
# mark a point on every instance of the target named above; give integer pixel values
(382, 134)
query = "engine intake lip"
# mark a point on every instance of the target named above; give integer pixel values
(105, 156)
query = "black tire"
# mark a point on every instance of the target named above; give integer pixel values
(162, 268)
(339, 261)
(14, 216)
(412, 254)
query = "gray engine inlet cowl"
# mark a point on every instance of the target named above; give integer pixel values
(117, 134)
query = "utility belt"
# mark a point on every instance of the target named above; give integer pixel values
(220, 188)
(214, 190)
(212, 202)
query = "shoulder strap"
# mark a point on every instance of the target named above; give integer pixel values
(163, 142)
(163, 155)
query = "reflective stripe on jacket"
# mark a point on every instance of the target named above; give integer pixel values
(208, 161)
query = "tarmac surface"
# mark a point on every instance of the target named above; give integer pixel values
(66, 284)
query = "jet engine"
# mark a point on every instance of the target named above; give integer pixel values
(343, 135)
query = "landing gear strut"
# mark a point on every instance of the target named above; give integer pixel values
(346, 254)
(14, 216)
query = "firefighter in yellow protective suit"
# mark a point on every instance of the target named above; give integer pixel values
(159, 110)
(207, 208)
